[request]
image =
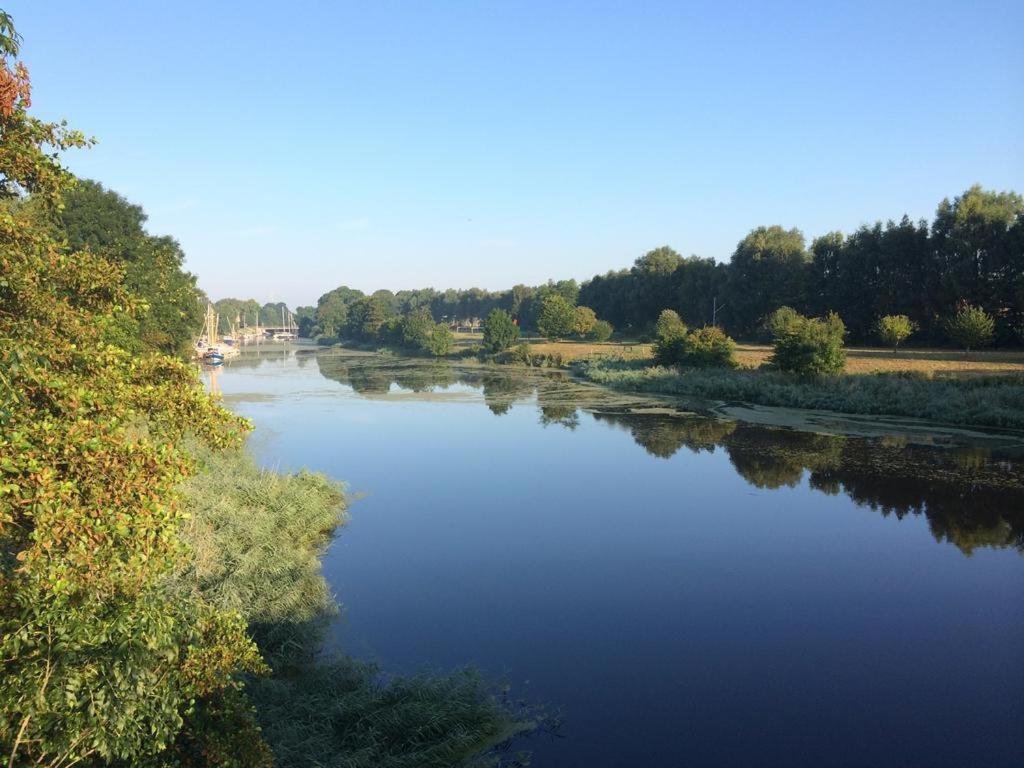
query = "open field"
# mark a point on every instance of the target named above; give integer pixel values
(858, 359)
(929, 361)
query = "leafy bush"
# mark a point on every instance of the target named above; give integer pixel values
(500, 331)
(669, 337)
(602, 331)
(708, 347)
(971, 327)
(441, 340)
(781, 321)
(893, 330)
(809, 346)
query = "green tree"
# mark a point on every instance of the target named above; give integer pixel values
(500, 332)
(769, 269)
(601, 331)
(556, 317)
(416, 328)
(441, 340)
(970, 328)
(893, 330)
(102, 221)
(366, 317)
(100, 663)
(583, 320)
(669, 337)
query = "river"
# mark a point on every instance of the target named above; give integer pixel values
(679, 590)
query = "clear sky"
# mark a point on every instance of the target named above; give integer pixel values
(295, 146)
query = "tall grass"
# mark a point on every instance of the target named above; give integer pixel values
(993, 401)
(257, 537)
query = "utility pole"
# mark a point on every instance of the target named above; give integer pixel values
(715, 306)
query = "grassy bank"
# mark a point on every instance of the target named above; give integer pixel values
(257, 538)
(990, 401)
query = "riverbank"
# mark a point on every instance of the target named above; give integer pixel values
(257, 538)
(979, 401)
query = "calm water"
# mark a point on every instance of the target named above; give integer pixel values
(686, 592)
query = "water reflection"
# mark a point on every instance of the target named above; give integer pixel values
(970, 498)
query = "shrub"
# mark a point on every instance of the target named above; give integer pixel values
(781, 321)
(669, 337)
(500, 331)
(893, 330)
(971, 327)
(709, 347)
(556, 317)
(441, 340)
(602, 331)
(810, 346)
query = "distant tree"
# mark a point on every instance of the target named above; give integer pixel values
(441, 340)
(500, 332)
(305, 318)
(708, 347)
(602, 331)
(416, 328)
(583, 320)
(768, 269)
(366, 317)
(670, 336)
(810, 346)
(556, 317)
(970, 328)
(893, 330)
(660, 261)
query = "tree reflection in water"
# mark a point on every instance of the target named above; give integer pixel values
(970, 498)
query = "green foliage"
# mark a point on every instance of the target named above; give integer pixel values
(500, 332)
(583, 321)
(810, 346)
(103, 222)
(669, 337)
(769, 269)
(971, 327)
(601, 331)
(366, 316)
(782, 321)
(417, 328)
(556, 317)
(708, 347)
(441, 340)
(893, 330)
(99, 660)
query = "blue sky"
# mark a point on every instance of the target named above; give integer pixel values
(293, 147)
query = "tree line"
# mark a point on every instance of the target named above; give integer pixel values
(970, 255)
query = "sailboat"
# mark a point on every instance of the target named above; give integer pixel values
(289, 326)
(207, 348)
